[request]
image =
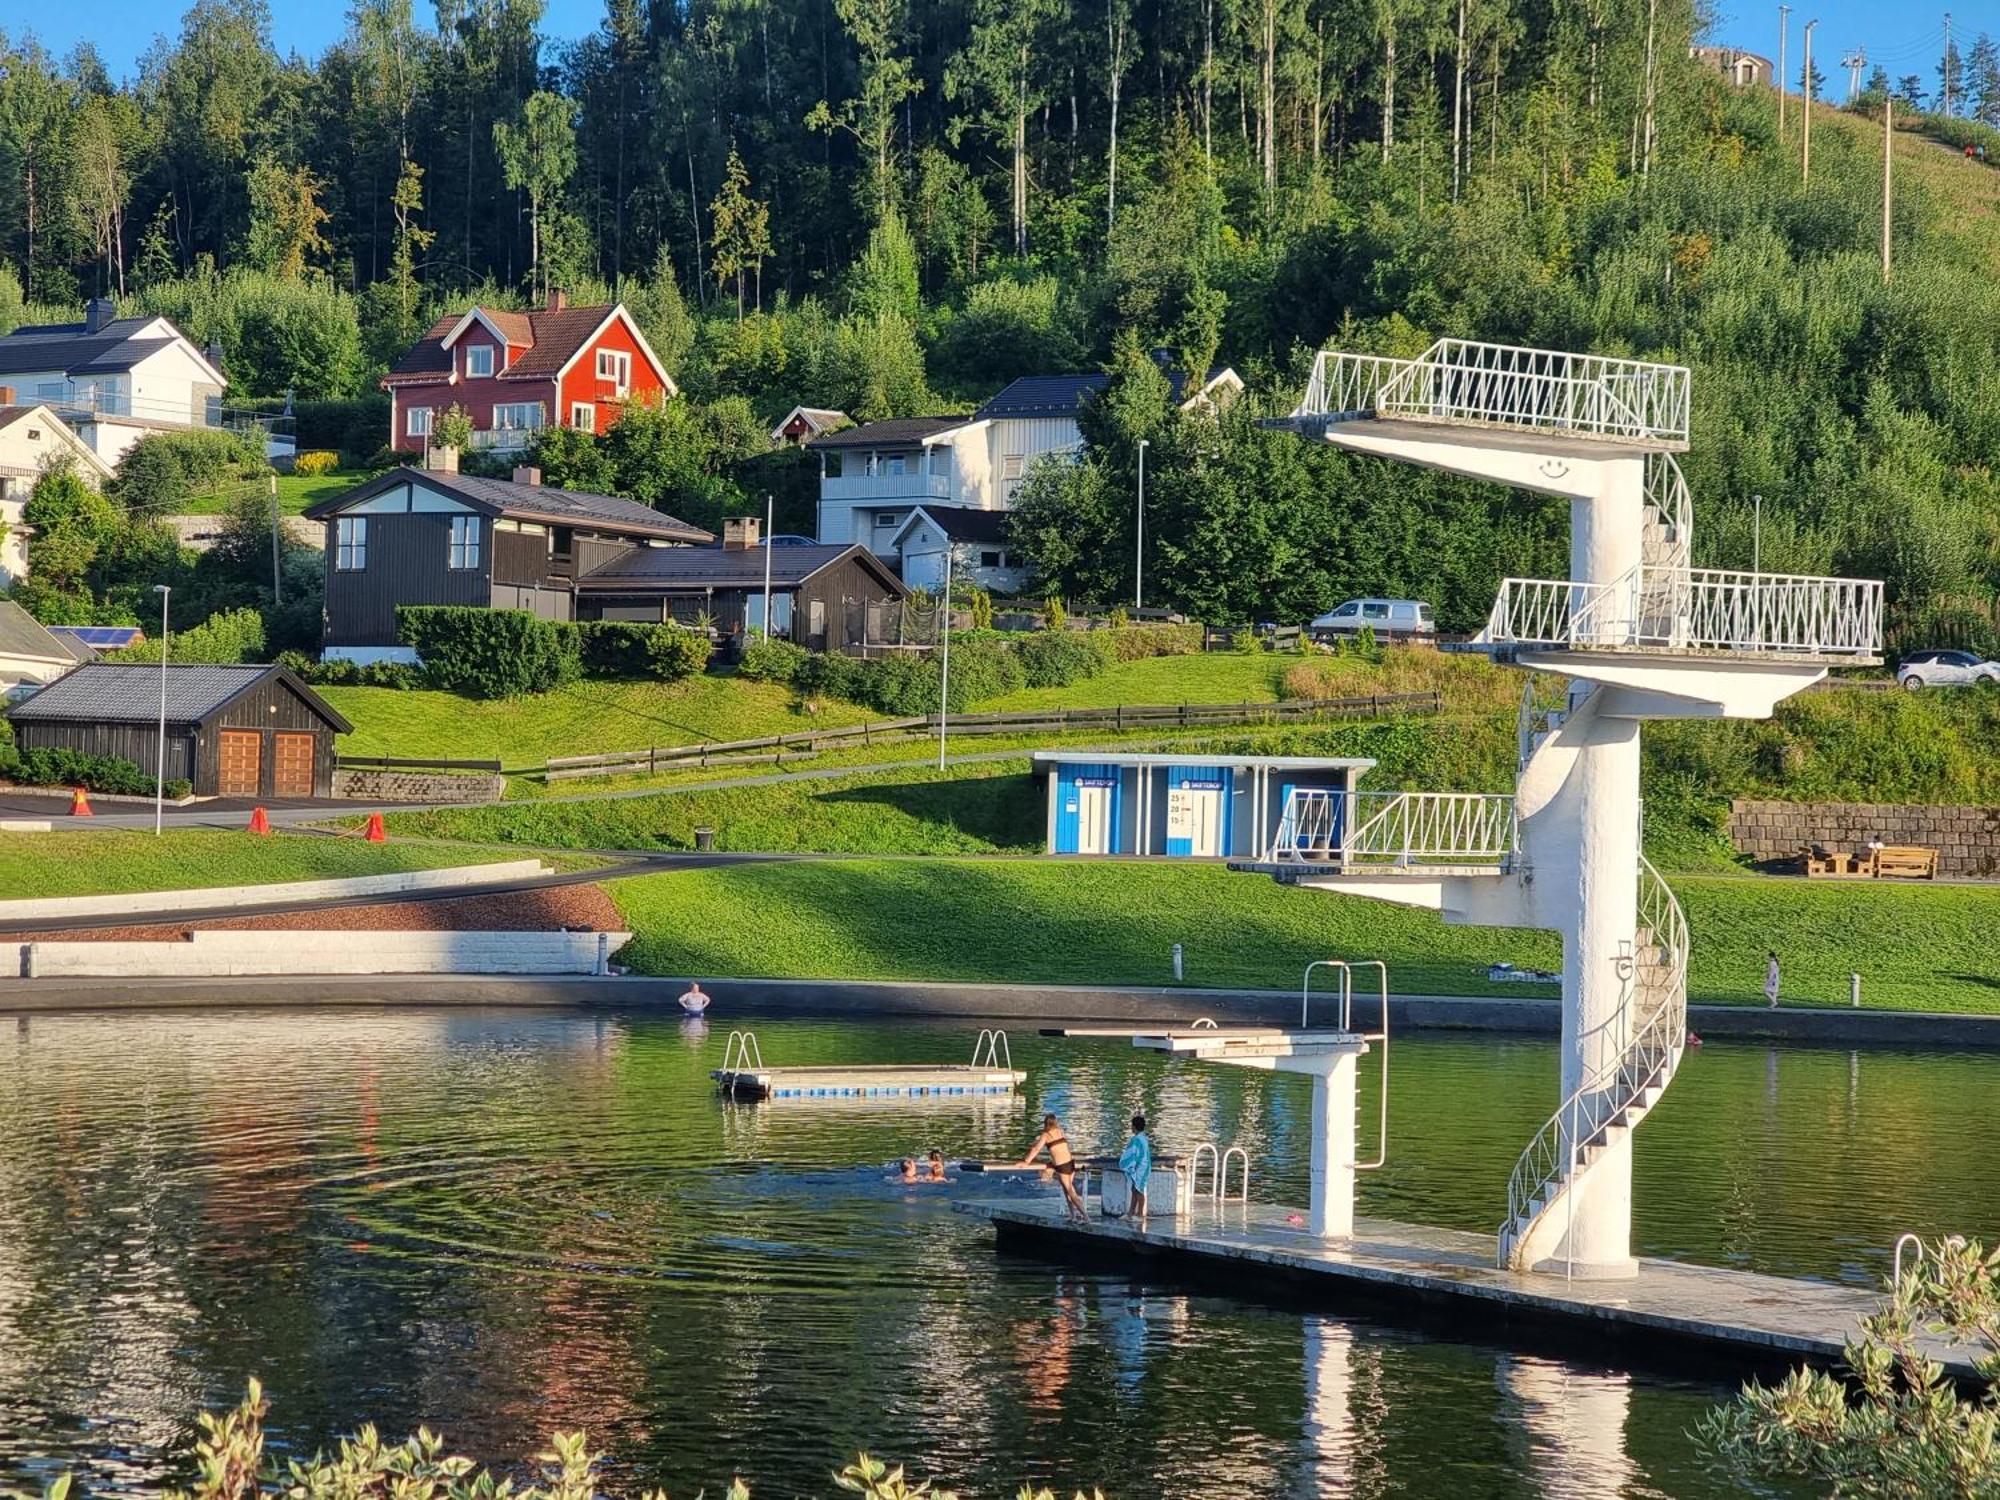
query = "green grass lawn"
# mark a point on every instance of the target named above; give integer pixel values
(584, 719)
(1916, 947)
(978, 809)
(295, 492)
(110, 861)
(1216, 677)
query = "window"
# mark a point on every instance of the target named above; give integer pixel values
(34, 434)
(940, 460)
(895, 464)
(517, 416)
(465, 541)
(583, 416)
(419, 423)
(1011, 466)
(781, 614)
(1372, 610)
(478, 361)
(616, 368)
(887, 520)
(350, 538)
(992, 559)
(1348, 611)
(830, 466)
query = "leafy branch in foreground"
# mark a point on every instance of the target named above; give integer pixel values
(230, 1464)
(1898, 1425)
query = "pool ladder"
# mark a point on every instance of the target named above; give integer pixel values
(741, 1054)
(991, 1051)
(1218, 1166)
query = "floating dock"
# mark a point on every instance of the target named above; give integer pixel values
(1755, 1320)
(744, 1075)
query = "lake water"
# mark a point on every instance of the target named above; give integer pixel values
(502, 1223)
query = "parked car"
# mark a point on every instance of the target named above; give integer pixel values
(790, 539)
(1398, 618)
(1921, 669)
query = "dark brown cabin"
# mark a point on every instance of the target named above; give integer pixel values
(231, 731)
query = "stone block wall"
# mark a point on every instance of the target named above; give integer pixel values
(1967, 838)
(417, 786)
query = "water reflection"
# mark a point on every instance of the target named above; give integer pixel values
(503, 1223)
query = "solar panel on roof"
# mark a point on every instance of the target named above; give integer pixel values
(103, 637)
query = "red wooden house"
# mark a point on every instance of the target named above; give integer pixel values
(514, 372)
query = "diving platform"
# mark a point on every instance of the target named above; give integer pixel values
(1757, 1321)
(745, 1075)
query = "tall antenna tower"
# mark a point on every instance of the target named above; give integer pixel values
(1854, 62)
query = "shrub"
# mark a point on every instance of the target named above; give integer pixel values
(383, 674)
(489, 653)
(1054, 616)
(319, 461)
(982, 610)
(386, 457)
(112, 774)
(826, 674)
(163, 469)
(1051, 660)
(773, 660)
(622, 648)
(907, 685)
(1138, 642)
(1315, 677)
(234, 636)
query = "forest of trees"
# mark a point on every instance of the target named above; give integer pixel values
(895, 206)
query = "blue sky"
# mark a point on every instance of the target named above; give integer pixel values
(1904, 40)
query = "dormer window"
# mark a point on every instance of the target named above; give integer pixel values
(616, 368)
(479, 362)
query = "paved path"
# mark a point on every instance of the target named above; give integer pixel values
(1759, 1320)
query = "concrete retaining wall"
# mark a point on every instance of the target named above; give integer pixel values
(272, 951)
(142, 903)
(417, 786)
(1967, 838)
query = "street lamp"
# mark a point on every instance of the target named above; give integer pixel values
(1139, 542)
(944, 655)
(160, 749)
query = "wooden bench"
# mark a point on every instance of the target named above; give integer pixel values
(1829, 864)
(1905, 862)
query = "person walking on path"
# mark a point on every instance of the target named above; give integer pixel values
(1771, 981)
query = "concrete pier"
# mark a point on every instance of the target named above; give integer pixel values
(1758, 1321)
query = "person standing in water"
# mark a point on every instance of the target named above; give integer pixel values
(1771, 980)
(1062, 1162)
(1136, 1162)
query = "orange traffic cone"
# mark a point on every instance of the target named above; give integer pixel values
(79, 805)
(375, 833)
(259, 822)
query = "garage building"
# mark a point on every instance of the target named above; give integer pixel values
(1181, 806)
(232, 731)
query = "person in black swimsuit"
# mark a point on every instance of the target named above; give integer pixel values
(1062, 1162)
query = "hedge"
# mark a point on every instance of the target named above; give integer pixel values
(772, 660)
(59, 766)
(1052, 658)
(338, 673)
(619, 648)
(489, 653)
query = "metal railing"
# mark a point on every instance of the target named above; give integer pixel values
(741, 1054)
(1646, 1037)
(1401, 830)
(1668, 494)
(990, 1050)
(1505, 385)
(1380, 1037)
(504, 439)
(83, 402)
(1693, 609)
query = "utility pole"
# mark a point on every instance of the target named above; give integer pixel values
(1947, 65)
(944, 654)
(770, 516)
(1888, 151)
(1139, 536)
(1854, 62)
(1805, 110)
(1784, 25)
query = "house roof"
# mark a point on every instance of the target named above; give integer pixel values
(526, 502)
(72, 348)
(549, 337)
(891, 431)
(961, 523)
(651, 568)
(129, 693)
(819, 418)
(22, 635)
(100, 637)
(78, 448)
(1065, 395)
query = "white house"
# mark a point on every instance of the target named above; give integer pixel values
(30, 656)
(873, 477)
(114, 379)
(974, 540)
(30, 438)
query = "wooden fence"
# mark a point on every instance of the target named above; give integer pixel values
(776, 749)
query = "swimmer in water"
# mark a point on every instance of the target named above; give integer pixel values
(937, 1166)
(908, 1172)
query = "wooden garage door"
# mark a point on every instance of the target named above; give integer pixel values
(241, 753)
(292, 765)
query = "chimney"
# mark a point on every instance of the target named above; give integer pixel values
(739, 533)
(97, 312)
(527, 475)
(558, 299)
(441, 458)
(213, 354)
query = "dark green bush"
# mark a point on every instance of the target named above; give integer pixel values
(59, 766)
(384, 674)
(905, 685)
(772, 660)
(825, 674)
(164, 469)
(489, 653)
(626, 648)
(1056, 659)
(226, 639)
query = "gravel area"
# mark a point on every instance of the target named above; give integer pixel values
(543, 910)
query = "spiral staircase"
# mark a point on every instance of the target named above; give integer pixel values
(1638, 633)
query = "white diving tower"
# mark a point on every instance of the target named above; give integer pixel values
(1635, 633)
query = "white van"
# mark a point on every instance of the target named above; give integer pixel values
(1390, 619)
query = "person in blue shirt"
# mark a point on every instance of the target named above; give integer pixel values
(1136, 1162)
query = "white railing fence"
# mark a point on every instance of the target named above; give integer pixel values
(1371, 830)
(1505, 385)
(1645, 1038)
(1700, 609)
(1667, 492)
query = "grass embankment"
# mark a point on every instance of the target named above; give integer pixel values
(295, 492)
(1916, 947)
(112, 861)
